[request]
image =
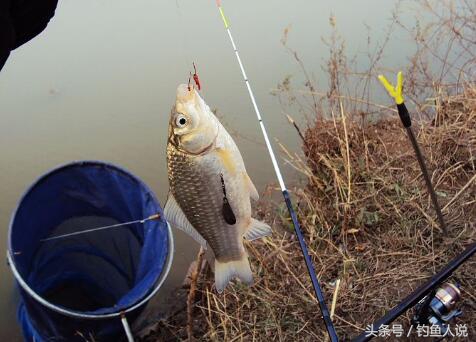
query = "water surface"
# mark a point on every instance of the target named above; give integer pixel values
(100, 81)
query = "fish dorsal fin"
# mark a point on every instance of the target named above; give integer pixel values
(253, 192)
(257, 230)
(174, 214)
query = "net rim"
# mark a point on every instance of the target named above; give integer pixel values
(73, 313)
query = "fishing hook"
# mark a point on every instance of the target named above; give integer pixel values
(195, 77)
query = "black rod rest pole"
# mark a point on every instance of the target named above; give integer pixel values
(419, 293)
(407, 123)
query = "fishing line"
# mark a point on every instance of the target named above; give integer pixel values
(315, 282)
(193, 80)
(152, 217)
(185, 43)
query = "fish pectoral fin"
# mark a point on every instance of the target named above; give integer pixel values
(257, 230)
(226, 271)
(174, 214)
(251, 187)
(227, 159)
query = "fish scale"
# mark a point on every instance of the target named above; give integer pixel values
(210, 190)
(202, 200)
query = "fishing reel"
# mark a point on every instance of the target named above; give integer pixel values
(439, 307)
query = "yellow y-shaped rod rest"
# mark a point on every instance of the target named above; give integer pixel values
(395, 92)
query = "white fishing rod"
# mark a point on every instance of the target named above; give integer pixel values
(312, 274)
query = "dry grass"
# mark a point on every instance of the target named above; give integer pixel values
(365, 211)
(378, 236)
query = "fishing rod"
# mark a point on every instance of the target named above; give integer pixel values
(425, 296)
(151, 217)
(310, 268)
(419, 293)
(397, 94)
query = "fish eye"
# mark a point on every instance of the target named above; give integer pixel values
(181, 121)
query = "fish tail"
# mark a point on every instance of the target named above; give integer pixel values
(226, 271)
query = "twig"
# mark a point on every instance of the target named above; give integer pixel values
(345, 97)
(334, 298)
(333, 305)
(458, 194)
(191, 293)
(347, 152)
(292, 122)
